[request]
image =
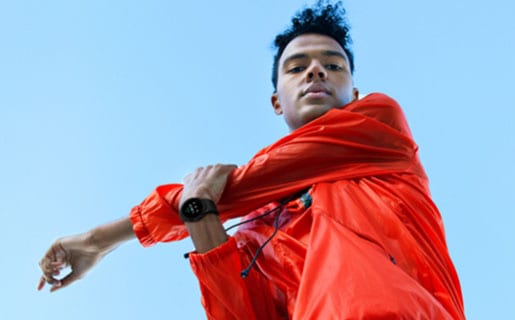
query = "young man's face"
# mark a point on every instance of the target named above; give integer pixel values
(313, 76)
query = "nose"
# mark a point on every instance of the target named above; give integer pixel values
(316, 70)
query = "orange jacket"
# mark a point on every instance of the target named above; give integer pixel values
(371, 206)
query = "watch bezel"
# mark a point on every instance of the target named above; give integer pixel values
(195, 209)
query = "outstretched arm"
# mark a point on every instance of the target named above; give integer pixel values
(81, 252)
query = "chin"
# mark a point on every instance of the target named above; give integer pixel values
(314, 111)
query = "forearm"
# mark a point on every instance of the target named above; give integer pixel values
(207, 233)
(107, 237)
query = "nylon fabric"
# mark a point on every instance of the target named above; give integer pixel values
(371, 246)
(368, 137)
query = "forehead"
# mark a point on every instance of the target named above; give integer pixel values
(311, 44)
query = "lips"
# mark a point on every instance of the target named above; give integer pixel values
(316, 89)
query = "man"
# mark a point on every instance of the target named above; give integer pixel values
(341, 225)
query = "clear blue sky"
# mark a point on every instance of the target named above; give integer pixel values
(97, 101)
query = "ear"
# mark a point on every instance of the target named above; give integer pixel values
(355, 94)
(276, 104)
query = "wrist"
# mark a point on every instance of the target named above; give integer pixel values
(207, 233)
(97, 242)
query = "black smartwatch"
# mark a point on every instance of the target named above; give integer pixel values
(195, 209)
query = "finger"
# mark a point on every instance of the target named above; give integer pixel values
(224, 166)
(226, 169)
(46, 267)
(46, 279)
(60, 254)
(230, 167)
(49, 278)
(55, 286)
(41, 283)
(187, 178)
(66, 281)
(218, 181)
(49, 272)
(53, 255)
(58, 265)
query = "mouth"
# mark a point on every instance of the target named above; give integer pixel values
(316, 90)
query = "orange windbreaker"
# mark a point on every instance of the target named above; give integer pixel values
(372, 243)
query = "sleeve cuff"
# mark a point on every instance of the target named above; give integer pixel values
(138, 225)
(215, 256)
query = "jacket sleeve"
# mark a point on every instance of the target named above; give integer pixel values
(251, 298)
(367, 137)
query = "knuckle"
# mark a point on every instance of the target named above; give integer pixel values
(45, 267)
(228, 168)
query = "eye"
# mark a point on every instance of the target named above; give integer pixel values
(333, 67)
(296, 69)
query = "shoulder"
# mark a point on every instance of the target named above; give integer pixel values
(381, 108)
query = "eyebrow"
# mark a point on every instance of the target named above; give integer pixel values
(327, 53)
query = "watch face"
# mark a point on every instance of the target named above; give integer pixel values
(195, 209)
(192, 208)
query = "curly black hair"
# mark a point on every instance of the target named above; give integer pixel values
(323, 18)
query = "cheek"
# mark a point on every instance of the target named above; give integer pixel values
(346, 92)
(286, 97)
(285, 89)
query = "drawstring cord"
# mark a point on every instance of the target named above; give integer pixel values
(306, 200)
(305, 197)
(281, 204)
(245, 272)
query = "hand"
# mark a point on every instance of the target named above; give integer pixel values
(206, 182)
(82, 252)
(77, 252)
